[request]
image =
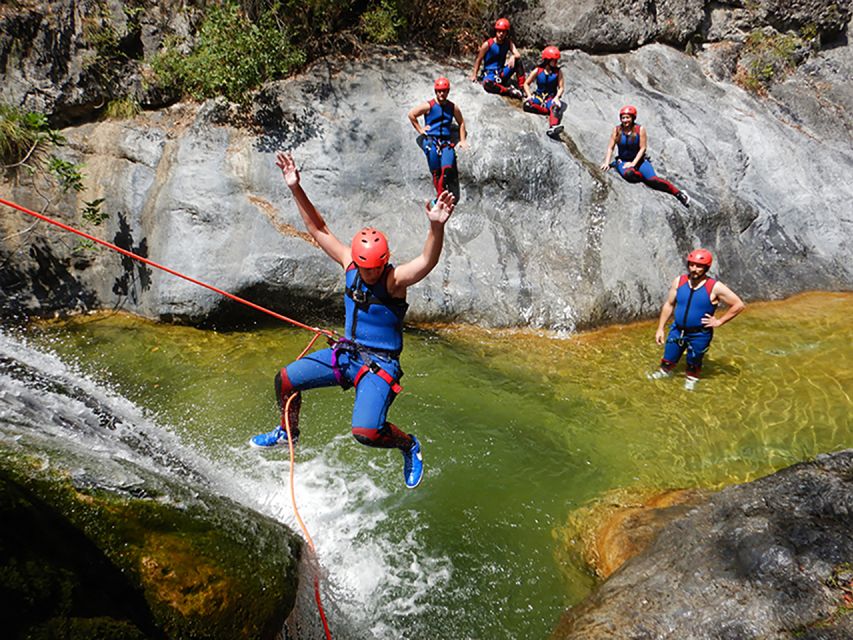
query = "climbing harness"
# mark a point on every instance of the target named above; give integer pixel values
(329, 334)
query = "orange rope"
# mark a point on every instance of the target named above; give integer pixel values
(317, 333)
(286, 414)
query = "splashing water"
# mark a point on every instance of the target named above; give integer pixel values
(519, 431)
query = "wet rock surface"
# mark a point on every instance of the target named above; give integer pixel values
(541, 237)
(767, 559)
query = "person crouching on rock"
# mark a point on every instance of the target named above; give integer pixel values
(549, 89)
(436, 137)
(368, 358)
(501, 60)
(631, 161)
(692, 301)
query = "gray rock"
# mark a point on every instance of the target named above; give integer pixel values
(765, 559)
(541, 237)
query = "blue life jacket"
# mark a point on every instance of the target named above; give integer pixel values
(439, 119)
(628, 144)
(374, 319)
(495, 58)
(547, 82)
(691, 305)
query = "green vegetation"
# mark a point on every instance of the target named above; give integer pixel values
(121, 109)
(242, 44)
(26, 143)
(233, 55)
(381, 23)
(767, 58)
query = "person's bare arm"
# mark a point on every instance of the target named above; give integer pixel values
(463, 134)
(728, 297)
(529, 81)
(479, 60)
(666, 312)
(416, 270)
(314, 222)
(610, 146)
(416, 113)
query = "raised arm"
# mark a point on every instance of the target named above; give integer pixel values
(666, 311)
(312, 219)
(416, 113)
(726, 296)
(416, 270)
(479, 60)
(610, 146)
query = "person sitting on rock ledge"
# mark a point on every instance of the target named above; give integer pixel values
(692, 301)
(501, 60)
(549, 89)
(436, 137)
(631, 161)
(368, 358)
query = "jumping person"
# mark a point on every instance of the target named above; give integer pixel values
(436, 137)
(549, 89)
(501, 60)
(631, 161)
(693, 299)
(369, 356)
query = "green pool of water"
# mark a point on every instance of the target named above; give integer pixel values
(519, 430)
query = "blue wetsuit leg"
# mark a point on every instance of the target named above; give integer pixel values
(698, 344)
(673, 348)
(312, 372)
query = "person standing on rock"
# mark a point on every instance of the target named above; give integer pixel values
(549, 89)
(436, 137)
(368, 358)
(631, 161)
(501, 60)
(692, 301)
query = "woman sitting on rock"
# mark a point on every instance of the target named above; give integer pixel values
(631, 161)
(549, 90)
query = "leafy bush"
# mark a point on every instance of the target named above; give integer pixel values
(381, 23)
(766, 58)
(23, 135)
(121, 109)
(233, 55)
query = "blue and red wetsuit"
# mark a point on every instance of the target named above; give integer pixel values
(369, 360)
(544, 99)
(438, 145)
(687, 331)
(628, 146)
(496, 72)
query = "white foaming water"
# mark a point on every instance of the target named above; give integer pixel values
(374, 576)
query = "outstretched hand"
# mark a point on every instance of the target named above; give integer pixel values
(288, 168)
(442, 208)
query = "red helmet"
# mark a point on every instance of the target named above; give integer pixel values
(370, 248)
(628, 110)
(551, 53)
(502, 24)
(700, 256)
(441, 83)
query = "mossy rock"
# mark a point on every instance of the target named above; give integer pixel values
(80, 563)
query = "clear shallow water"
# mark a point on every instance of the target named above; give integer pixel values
(519, 430)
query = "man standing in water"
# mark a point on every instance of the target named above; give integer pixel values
(693, 299)
(369, 356)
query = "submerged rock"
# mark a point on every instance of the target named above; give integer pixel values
(766, 559)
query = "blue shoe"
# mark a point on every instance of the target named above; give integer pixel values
(413, 465)
(275, 438)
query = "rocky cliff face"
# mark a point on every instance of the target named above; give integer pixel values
(768, 559)
(541, 237)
